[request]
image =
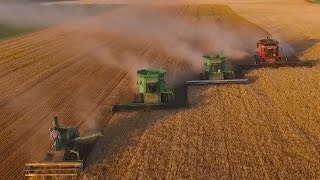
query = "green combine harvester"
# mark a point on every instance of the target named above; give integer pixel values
(152, 93)
(218, 71)
(67, 156)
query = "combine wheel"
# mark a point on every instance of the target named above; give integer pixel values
(170, 98)
(71, 155)
(228, 76)
(201, 76)
(167, 98)
(257, 59)
(239, 74)
(138, 98)
(164, 97)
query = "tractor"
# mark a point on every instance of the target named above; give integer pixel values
(217, 70)
(269, 54)
(152, 93)
(67, 155)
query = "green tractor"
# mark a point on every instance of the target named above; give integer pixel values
(66, 158)
(217, 70)
(152, 93)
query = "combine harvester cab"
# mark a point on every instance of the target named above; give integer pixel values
(269, 54)
(67, 157)
(218, 71)
(152, 93)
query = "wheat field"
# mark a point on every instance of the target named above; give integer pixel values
(267, 129)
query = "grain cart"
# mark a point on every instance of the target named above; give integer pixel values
(67, 156)
(152, 93)
(269, 54)
(218, 71)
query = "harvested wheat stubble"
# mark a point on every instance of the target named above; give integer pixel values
(267, 129)
(248, 131)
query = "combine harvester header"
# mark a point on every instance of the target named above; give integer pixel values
(53, 169)
(152, 93)
(217, 70)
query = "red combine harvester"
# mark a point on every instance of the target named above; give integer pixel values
(268, 54)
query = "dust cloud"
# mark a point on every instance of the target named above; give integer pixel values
(178, 37)
(33, 14)
(173, 36)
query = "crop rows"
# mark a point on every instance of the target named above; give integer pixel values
(266, 129)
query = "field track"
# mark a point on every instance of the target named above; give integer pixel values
(247, 131)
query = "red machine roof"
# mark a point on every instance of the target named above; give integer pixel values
(268, 41)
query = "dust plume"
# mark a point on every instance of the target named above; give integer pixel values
(126, 61)
(34, 14)
(177, 37)
(286, 49)
(174, 37)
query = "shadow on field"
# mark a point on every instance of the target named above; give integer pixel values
(124, 133)
(303, 44)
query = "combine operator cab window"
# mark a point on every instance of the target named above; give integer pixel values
(152, 87)
(270, 52)
(216, 67)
